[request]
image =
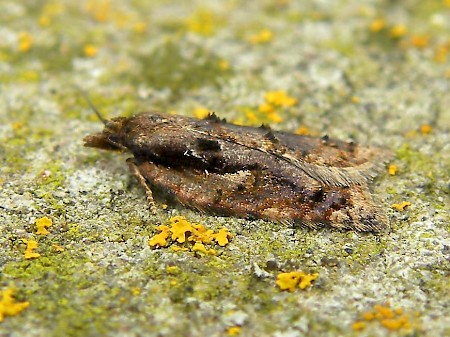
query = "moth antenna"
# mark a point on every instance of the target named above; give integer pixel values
(91, 105)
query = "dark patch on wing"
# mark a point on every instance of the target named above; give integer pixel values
(205, 144)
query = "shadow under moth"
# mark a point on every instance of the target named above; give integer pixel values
(221, 168)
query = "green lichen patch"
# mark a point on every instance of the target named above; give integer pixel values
(178, 65)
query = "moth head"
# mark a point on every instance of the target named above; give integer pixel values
(111, 138)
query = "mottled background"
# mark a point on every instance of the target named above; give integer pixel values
(376, 72)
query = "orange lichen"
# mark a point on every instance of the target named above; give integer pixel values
(266, 108)
(201, 234)
(201, 112)
(181, 231)
(384, 315)
(368, 316)
(419, 41)
(29, 251)
(392, 169)
(44, 21)
(180, 226)
(203, 22)
(280, 98)
(234, 330)
(398, 31)
(274, 117)
(383, 312)
(175, 248)
(224, 65)
(140, 27)
(42, 224)
(199, 247)
(8, 306)
(274, 100)
(100, 10)
(90, 50)
(441, 54)
(58, 248)
(172, 269)
(306, 280)
(425, 129)
(355, 99)
(290, 281)
(401, 206)
(303, 131)
(25, 42)
(358, 325)
(222, 237)
(160, 239)
(263, 36)
(377, 25)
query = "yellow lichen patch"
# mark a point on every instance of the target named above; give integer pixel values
(274, 100)
(263, 36)
(42, 224)
(419, 41)
(58, 248)
(172, 269)
(377, 25)
(355, 99)
(194, 236)
(358, 325)
(425, 129)
(306, 280)
(401, 206)
(25, 42)
(199, 247)
(8, 306)
(203, 22)
(303, 131)
(201, 234)
(398, 31)
(280, 98)
(176, 248)
(266, 108)
(201, 112)
(290, 281)
(382, 312)
(251, 116)
(44, 21)
(441, 54)
(222, 237)
(140, 27)
(234, 330)
(180, 226)
(274, 117)
(29, 251)
(136, 291)
(385, 316)
(160, 239)
(17, 125)
(368, 316)
(90, 50)
(392, 169)
(99, 9)
(224, 65)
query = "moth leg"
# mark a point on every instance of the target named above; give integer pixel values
(140, 178)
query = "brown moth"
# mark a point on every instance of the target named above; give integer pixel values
(225, 169)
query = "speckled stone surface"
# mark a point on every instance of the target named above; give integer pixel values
(377, 72)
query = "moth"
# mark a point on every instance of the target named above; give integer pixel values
(225, 169)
